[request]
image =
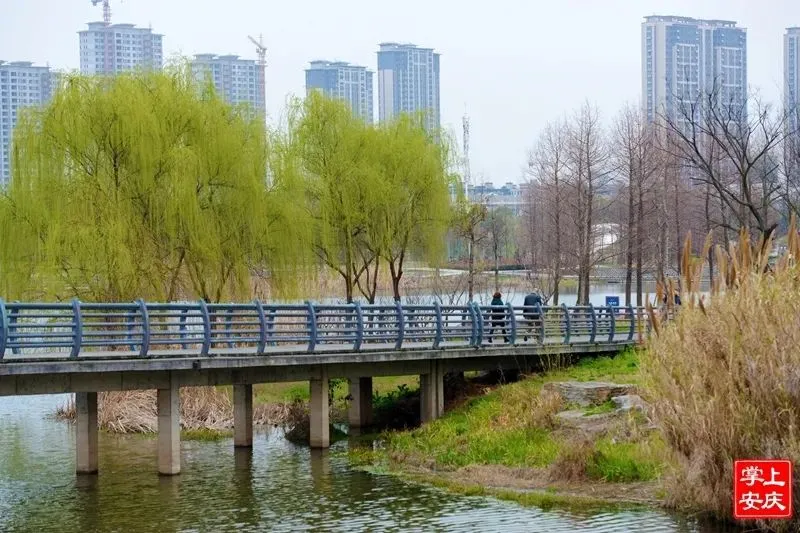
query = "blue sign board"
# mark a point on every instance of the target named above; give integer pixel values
(612, 301)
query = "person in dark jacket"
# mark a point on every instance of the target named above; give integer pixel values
(498, 316)
(530, 311)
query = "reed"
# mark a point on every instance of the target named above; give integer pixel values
(724, 373)
(206, 408)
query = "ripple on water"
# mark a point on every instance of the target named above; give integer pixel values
(276, 487)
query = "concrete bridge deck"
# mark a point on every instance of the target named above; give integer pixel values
(89, 348)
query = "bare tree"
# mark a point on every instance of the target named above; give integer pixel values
(547, 167)
(728, 144)
(587, 159)
(637, 161)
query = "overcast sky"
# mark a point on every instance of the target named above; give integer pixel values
(514, 64)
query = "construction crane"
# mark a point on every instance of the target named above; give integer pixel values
(261, 50)
(106, 9)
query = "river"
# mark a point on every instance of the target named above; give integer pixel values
(276, 487)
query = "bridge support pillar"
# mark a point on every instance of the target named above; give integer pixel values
(431, 388)
(243, 416)
(86, 428)
(169, 431)
(360, 412)
(319, 434)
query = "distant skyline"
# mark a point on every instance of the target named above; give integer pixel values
(513, 67)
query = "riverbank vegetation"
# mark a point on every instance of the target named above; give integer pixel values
(511, 436)
(724, 376)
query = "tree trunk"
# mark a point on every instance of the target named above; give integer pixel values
(639, 241)
(471, 267)
(678, 243)
(708, 230)
(496, 269)
(629, 254)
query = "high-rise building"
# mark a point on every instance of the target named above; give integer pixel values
(114, 48)
(683, 58)
(791, 77)
(338, 79)
(238, 81)
(21, 85)
(408, 82)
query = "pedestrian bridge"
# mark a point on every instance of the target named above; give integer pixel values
(85, 348)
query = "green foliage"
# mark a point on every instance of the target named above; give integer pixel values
(414, 206)
(396, 409)
(144, 185)
(605, 407)
(373, 192)
(627, 461)
(206, 435)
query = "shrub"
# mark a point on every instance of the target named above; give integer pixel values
(724, 376)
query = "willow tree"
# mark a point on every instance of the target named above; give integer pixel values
(415, 199)
(141, 185)
(333, 150)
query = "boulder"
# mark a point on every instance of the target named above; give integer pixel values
(630, 402)
(591, 424)
(587, 393)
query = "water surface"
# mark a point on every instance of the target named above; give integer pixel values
(276, 487)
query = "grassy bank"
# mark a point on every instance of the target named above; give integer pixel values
(509, 438)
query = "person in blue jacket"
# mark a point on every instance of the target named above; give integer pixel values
(530, 311)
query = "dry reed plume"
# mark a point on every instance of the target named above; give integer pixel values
(724, 375)
(201, 408)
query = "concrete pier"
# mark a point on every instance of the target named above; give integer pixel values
(86, 428)
(243, 416)
(431, 388)
(320, 428)
(169, 430)
(360, 412)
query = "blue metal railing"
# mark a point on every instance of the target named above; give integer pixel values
(142, 329)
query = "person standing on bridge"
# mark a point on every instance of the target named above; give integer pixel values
(498, 316)
(530, 311)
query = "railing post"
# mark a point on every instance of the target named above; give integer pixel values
(359, 326)
(438, 333)
(541, 322)
(271, 324)
(145, 328)
(633, 323)
(12, 319)
(130, 317)
(262, 328)
(613, 323)
(77, 328)
(206, 328)
(566, 323)
(182, 327)
(473, 317)
(401, 326)
(512, 319)
(479, 315)
(312, 326)
(594, 323)
(229, 326)
(3, 328)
